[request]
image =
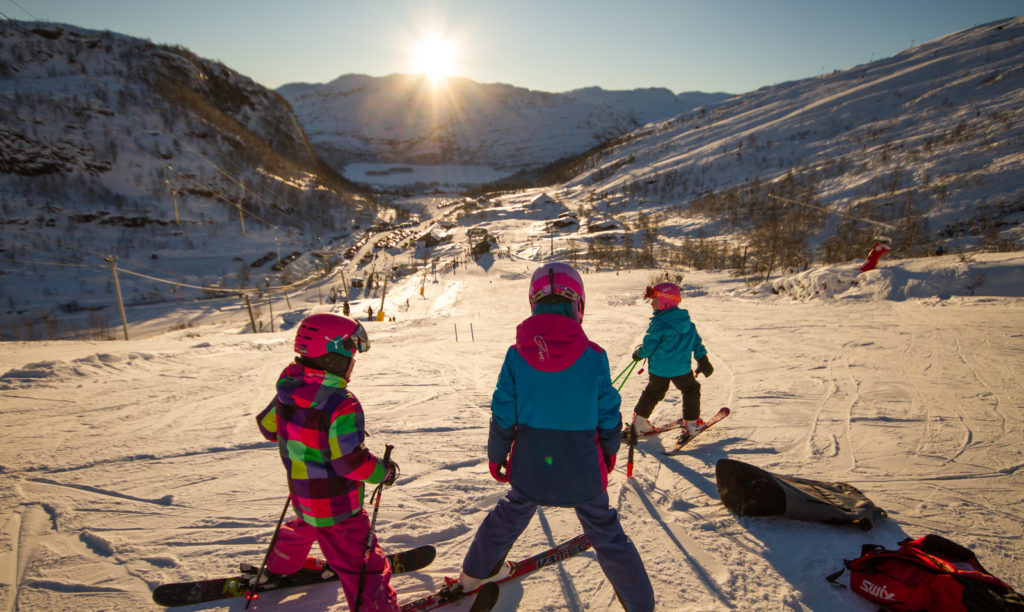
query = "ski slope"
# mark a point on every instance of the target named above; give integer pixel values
(129, 464)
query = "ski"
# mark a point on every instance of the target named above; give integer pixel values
(655, 430)
(198, 591)
(451, 591)
(721, 414)
(484, 598)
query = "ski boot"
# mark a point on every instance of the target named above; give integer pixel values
(468, 584)
(641, 424)
(690, 429)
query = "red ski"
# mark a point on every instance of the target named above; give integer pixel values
(453, 592)
(721, 414)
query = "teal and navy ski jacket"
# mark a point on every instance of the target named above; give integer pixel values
(554, 413)
(669, 343)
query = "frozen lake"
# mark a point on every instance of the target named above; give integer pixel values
(448, 177)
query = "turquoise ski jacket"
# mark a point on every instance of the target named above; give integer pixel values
(670, 342)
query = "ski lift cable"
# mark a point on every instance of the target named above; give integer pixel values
(120, 268)
(206, 288)
(34, 18)
(886, 226)
(33, 262)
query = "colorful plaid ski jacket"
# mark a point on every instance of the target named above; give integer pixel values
(319, 429)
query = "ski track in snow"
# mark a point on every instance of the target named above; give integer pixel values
(126, 465)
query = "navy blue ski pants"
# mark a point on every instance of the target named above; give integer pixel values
(616, 553)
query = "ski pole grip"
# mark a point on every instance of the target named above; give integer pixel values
(387, 451)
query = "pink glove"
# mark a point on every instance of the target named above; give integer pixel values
(496, 470)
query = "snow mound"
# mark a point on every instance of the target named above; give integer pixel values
(987, 274)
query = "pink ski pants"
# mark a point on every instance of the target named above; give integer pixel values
(343, 546)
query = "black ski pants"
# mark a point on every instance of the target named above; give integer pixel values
(657, 387)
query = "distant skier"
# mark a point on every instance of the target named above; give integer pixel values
(345, 309)
(882, 246)
(554, 399)
(669, 344)
(369, 313)
(319, 427)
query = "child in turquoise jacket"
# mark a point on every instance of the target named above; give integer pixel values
(669, 344)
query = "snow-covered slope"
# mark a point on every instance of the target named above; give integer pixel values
(129, 464)
(928, 141)
(403, 118)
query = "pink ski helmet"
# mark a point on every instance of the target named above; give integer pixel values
(324, 333)
(666, 295)
(558, 279)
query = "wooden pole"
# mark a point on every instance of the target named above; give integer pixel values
(270, 305)
(248, 305)
(117, 288)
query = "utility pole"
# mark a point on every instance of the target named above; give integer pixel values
(270, 304)
(117, 288)
(248, 306)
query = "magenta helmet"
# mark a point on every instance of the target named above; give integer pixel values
(666, 295)
(325, 333)
(558, 279)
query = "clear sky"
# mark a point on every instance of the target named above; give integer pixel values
(731, 46)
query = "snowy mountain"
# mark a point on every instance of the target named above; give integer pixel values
(403, 118)
(924, 147)
(114, 145)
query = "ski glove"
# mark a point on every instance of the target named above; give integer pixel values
(636, 354)
(704, 366)
(496, 470)
(393, 473)
(609, 462)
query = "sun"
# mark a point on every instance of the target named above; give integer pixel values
(434, 57)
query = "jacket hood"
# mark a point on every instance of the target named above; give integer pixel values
(550, 342)
(305, 387)
(676, 318)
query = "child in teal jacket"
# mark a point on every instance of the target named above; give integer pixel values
(669, 344)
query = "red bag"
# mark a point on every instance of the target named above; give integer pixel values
(929, 573)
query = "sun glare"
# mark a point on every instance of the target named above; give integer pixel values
(435, 58)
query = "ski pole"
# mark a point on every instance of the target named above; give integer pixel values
(632, 447)
(629, 367)
(251, 594)
(628, 374)
(375, 497)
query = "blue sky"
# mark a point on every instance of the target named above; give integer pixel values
(733, 46)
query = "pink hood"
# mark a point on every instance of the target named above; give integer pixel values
(550, 342)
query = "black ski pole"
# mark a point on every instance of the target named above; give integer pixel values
(251, 594)
(369, 536)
